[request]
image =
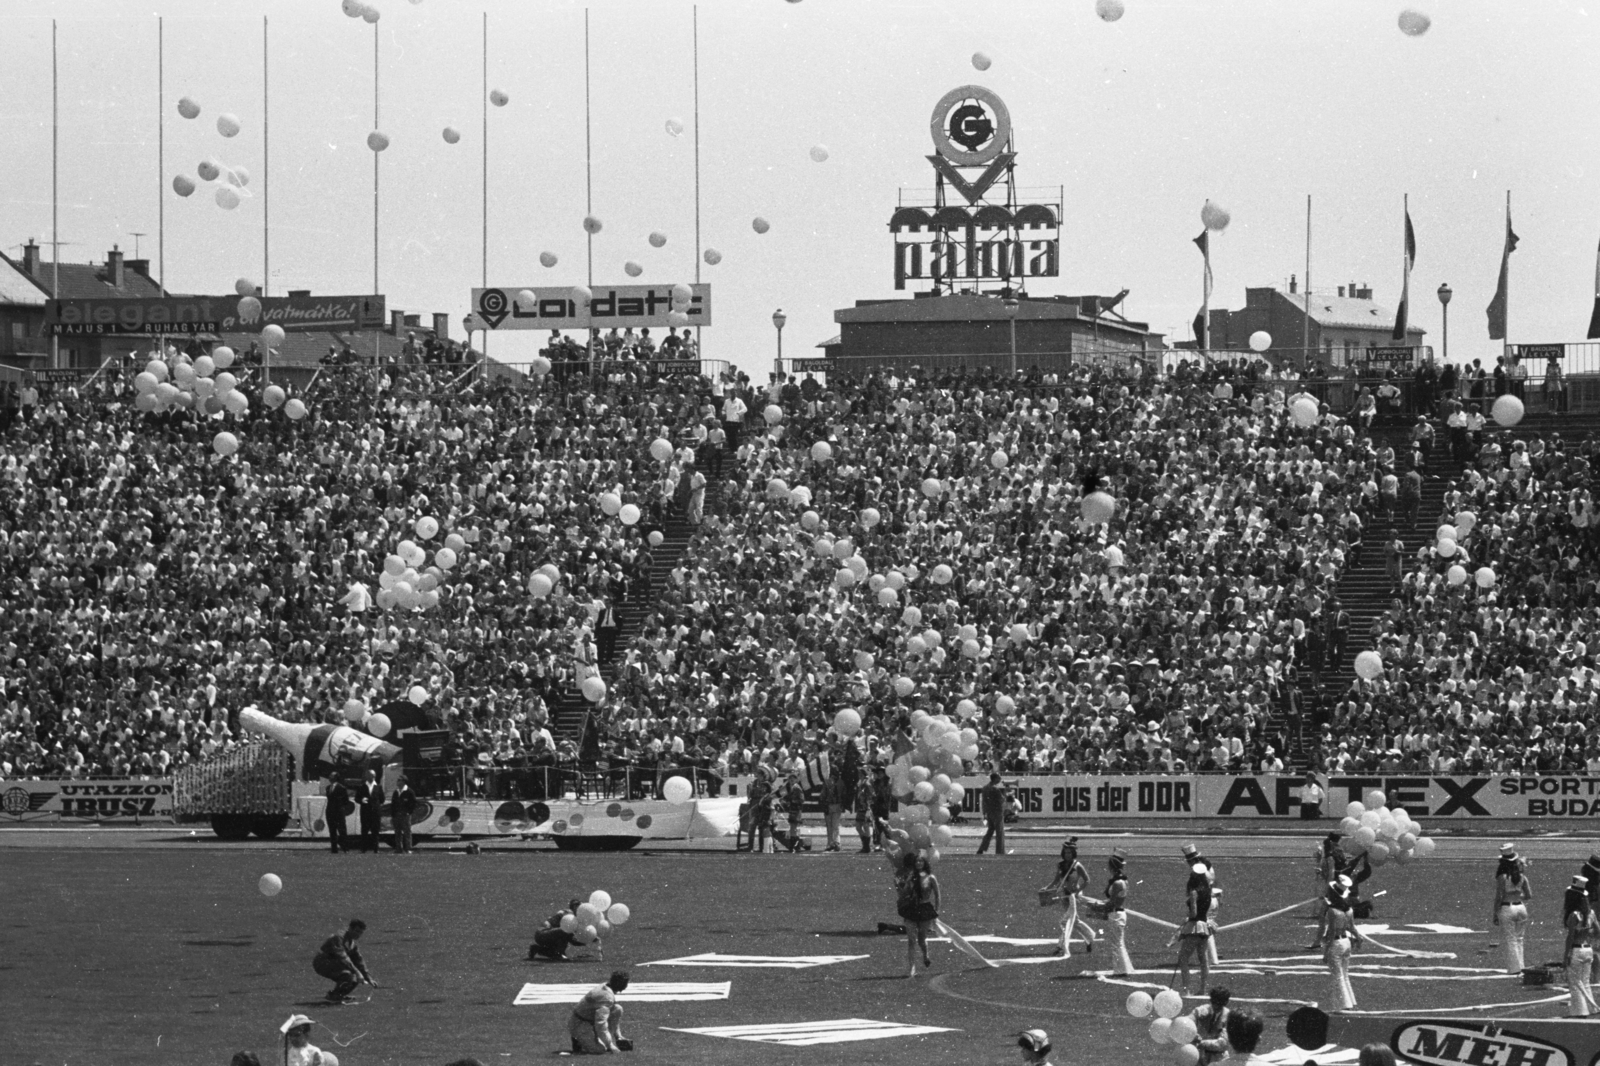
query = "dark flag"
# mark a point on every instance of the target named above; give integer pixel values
(1399, 333)
(1497, 306)
(1594, 317)
(1203, 242)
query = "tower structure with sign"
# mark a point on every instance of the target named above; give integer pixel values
(979, 230)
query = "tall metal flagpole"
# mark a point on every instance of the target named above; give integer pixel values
(376, 156)
(1305, 325)
(161, 153)
(266, 229)
(699, 343)
(485, 102)
(588, 175)
(55, 199)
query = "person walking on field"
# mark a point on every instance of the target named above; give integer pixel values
(340, 962)
(1512, 894)
(1072, 877)
(917, 901)
(993, 797)
(1340, 938)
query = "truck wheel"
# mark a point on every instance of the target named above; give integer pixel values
(231, 826)
(268, 826)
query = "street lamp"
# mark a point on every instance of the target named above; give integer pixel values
(778, 319)
(1444, 304)
(1012, 305)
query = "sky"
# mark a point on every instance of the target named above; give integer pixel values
(1254, 104)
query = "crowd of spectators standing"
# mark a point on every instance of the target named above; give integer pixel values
(153, 588)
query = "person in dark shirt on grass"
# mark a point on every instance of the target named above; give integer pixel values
(340, 962)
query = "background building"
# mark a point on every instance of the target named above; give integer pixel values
(1343, 326)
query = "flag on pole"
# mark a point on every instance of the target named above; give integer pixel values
(1203, 242)
(1497, 306)
(1399, 333)
(1594, 317)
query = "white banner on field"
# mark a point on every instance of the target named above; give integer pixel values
(1543, 799)
(563, 307)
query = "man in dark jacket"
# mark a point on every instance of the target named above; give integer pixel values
(994, 816)
(401, 806)
(340, 962)
(335, 813)
(369, 798)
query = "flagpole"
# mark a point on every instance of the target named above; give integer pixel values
(161, 153)
(266, 230)
(699, 343)
(1305, 325)
(588, 179)
(55, 185)
(1205, 301)
(485, 267)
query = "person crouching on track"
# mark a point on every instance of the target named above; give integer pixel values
(596, 1022)
(1196, 931)
(340, 962)
(550, 944)
(1579, 921)
(1071, 879)
(1512, 893)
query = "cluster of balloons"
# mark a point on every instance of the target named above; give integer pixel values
(596, 918)
(206, 386)
(233, 181)
(611, 506)
(1170, 1025)
(409, 585)
(1381, 833)
(925, 779)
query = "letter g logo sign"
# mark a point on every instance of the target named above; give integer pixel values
(970, 126)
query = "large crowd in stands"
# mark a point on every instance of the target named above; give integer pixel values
(153, 589)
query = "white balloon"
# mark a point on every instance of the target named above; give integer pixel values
(379, 725)
(675, 127)
(1414, 23)
(188, 108)
(183, 185)
(377, 140)
(1260, 340)
(209, 169)
(1214, 216)
(228, 125)
(981, 61)
(1109, 10)
(712, 257)
(451, 135)
(227, 198)
(819, 153)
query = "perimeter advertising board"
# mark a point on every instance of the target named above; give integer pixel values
(607, 306)
(128, 799)
(1224, 796)
(165, 315)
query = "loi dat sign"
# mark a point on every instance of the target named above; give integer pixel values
(620, 306)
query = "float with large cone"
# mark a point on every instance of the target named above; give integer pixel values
(259, 786)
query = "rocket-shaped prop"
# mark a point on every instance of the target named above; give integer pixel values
(320, 750)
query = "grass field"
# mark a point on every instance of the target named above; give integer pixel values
(166, 953)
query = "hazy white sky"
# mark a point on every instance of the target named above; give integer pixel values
(1252, 103)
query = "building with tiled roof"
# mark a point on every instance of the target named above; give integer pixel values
(117, 276)
(1339, 327)
(23, 344)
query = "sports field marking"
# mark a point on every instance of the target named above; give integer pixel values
(1015, 941)
(775, 962)
(639, 992)
(1415, 929)
(806, 1034)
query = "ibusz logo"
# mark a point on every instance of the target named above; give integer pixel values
(19, 801)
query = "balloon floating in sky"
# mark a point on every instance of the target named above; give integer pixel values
(592, 224)
(547, 259)
(371, 14)
(1508, 410)
(239, 176)
(1215, 216)
(1414, 23)
(1109, 10)
(712, 257)
(209, 170)
(632, 269)
(760, 225)
(658, 239)
(981, 61)
(244, 287)
(377, 141)
(188, 108)
(272, 336)
(353, 8)
(498, 98)
(819, 153)
(228, 125)
(451, 135)
(675, 127)
(227, 197)
(183, 185)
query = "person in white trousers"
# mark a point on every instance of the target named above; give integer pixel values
(1512, 894)
(1580, 925)
(1071, 879)
(1115, 911)
(1339, 940)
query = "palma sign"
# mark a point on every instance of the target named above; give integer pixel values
(988, 237)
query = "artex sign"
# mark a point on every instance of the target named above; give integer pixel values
(167, 315)
(620, 306)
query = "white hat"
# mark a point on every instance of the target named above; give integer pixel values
(1035, 1040)
(294, 1022)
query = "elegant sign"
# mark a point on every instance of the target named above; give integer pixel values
(158, 315)
(125, 799)
(622, 306)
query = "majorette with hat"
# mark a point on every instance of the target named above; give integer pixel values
(1115, 911)
(1196, 930)
(1329, 866)
(1191, 856)
(1340, 937)
(1072, 877)
(1512, 893)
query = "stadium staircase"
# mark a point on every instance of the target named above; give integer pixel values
(569, 711)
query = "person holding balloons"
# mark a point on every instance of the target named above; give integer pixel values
(1211, 1025)
(1512, 893)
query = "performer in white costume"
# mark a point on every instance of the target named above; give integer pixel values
(1512, 894)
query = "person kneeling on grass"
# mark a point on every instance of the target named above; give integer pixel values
(560, 932)
(340, 962)
(596, 1022)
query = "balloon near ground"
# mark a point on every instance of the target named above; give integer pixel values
(1140, 1004)
(678, 790)
(270, 884)
(1168, 1003)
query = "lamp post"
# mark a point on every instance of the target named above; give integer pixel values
(1012, 305)
(1444, 306)
(778, 319)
